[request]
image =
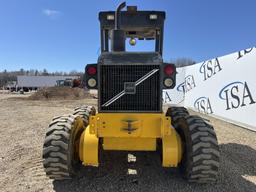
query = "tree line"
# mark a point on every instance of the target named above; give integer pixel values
(182, 62)
(9, 76)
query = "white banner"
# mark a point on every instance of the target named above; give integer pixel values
(224, 87)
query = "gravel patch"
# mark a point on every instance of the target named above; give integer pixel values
(22, 130)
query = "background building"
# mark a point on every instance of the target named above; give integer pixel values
(35, 82)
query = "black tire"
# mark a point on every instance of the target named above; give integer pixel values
(84, 112)
(60, 153)
(200, 161)
(176, 114)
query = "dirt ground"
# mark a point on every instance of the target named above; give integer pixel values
(22, 130)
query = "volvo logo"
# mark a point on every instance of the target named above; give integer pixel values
(130, 88)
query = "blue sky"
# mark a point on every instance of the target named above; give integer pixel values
(62, 35)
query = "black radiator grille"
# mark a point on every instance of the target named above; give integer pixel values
(112, 80)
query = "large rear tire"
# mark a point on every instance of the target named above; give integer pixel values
(84, 112)
(176, 114)
(61, 145)
(200, 161)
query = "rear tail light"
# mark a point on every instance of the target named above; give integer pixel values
(169, 70)
(91, 80)
(91, 70)
(169, 76)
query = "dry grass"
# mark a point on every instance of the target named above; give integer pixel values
(59, 93)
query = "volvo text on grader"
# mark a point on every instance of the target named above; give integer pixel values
(130, 115)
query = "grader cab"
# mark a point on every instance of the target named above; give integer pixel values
(130, 115)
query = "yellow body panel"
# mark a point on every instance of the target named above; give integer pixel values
(129, 144)
(171, 149)
(88, 148)
(145, 125)
(130, 132)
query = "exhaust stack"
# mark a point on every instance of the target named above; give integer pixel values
(117, 34)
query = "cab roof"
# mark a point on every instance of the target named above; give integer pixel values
(136, 24)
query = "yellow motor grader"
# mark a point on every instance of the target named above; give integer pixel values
(130, 115)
